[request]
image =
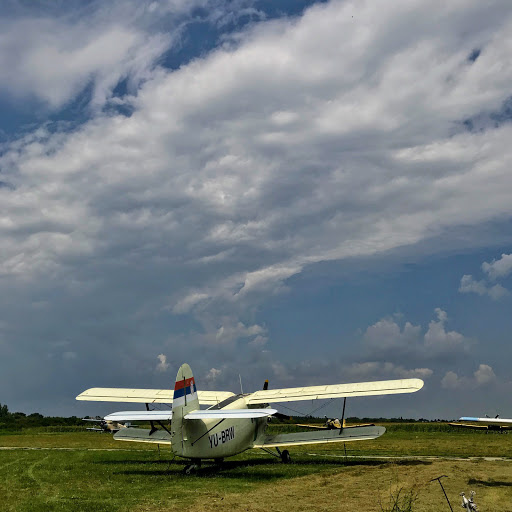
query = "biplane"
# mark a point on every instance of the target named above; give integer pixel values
(232, 423)
(106, 426)
(493, 424)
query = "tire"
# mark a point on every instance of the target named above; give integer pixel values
(285, 457)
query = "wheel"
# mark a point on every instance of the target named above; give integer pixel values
(190, 469)
(285, 457)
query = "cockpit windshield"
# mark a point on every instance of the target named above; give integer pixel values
(226, 402)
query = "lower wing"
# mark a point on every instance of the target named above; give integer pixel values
(321, 436)
(143, 435)
(216, 414)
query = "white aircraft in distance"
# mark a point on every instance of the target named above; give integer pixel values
(233, 423)
(496, 423)
(108, 426)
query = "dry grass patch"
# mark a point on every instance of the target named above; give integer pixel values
(368, 487)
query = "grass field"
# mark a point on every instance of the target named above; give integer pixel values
(48, 470)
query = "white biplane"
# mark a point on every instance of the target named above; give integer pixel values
(234, 422)
(493, 424)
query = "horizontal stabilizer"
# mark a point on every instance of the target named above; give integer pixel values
(229, 413)
(490, 421)
(384, 387)
(143, 435)
(148, 396)
(140, 416)
(321, 436)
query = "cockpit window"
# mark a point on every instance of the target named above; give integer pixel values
(223, 404)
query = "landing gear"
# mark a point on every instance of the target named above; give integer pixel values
(190, 469)
(285, 456)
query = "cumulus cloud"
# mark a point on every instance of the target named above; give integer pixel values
(212, 375)
(387, 334)
(386, 338)
(469, 285)
(384, 370)
(498, 268)
(483, 376)
(163, 365)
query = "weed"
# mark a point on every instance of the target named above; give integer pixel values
(401, 500)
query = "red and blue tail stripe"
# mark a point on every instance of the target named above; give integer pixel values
(185, 392)
(184, 387)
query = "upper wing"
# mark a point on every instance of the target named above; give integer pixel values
(489, 421)
(148, 396)
(383, 387)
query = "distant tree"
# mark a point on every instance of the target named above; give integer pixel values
(4, 411)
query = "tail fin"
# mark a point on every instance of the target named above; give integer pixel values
(185, 392)
(185, 400)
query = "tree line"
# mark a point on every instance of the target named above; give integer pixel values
(19, 420)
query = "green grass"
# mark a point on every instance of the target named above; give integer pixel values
(91, 471)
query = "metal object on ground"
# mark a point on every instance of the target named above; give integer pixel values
(439, 480)
(469, 504)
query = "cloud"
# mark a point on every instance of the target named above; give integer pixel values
(54, 61)
(469, 285)
(387, 339)
(324, 137)
(498, 268)
(483, 376)
(212, 375)
(163, 365)
(387, 334)
(438, 338)
(69, 356)
(384, 370)
(229, 332)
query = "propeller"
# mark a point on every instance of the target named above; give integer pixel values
(278, 415)
(283, 417)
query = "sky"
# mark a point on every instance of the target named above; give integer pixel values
(306, 192)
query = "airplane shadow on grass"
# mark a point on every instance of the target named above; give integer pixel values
(249, 468)
(489, 483)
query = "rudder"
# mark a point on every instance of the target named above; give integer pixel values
(185, 400)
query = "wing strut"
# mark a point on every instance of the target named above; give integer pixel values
(343, 415)
(153, 428)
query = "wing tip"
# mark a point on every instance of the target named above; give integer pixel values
(419, 384)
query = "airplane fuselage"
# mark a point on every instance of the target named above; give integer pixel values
(216, 439)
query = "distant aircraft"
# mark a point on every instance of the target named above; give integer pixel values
(496, 423)
(335, 423)
(232, 423)
(105, 425)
